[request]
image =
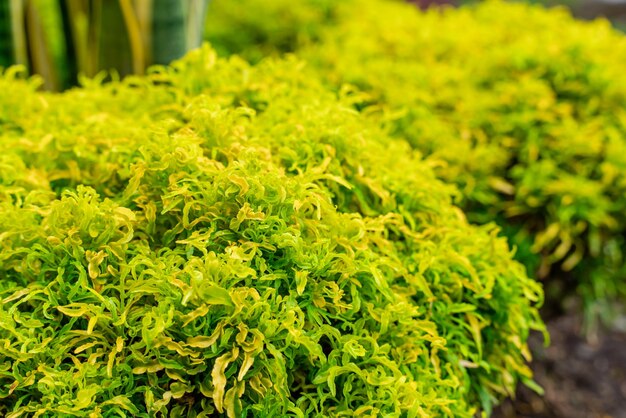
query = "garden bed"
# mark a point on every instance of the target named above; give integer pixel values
(582, 378)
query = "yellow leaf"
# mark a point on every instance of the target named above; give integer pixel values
(219, 377)
(84, 398)
(206, 342)
(74, 310)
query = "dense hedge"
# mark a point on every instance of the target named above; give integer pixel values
(217, 238)
(521, 107)
(256, 29)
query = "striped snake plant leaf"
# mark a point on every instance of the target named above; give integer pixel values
(63, 39)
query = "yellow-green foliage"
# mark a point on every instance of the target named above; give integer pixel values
(224, 239)
(258, 28)
(523, 108)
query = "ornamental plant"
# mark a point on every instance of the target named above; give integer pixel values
(61, 40)
(223, 239)
(523, 111)
(256, 29)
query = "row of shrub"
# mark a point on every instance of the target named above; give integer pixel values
(522, 108)
(218, 238)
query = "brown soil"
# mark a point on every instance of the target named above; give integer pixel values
(582, 377)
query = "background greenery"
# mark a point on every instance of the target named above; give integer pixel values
(64, 39)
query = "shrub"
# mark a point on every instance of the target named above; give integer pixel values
(523, 109)
(218, 238)
(256, 29)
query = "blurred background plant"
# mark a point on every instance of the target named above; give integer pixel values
(60, 40)
(614, 10)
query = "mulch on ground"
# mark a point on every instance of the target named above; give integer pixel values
(582, 377)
